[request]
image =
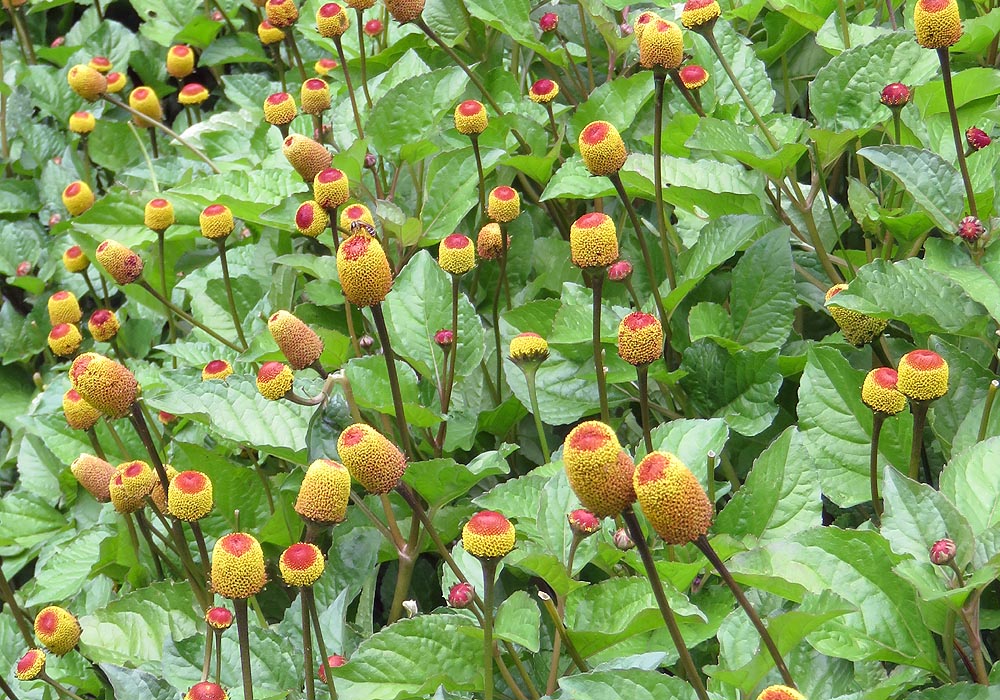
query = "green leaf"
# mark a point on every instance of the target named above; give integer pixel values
(617, 101)
(61, 572)
(133, 684)
(371, 373)
(762, 301)
(836, 428)
(28, 520)
(980, 281)
(729, 139)
(844, 94)
(518, 620)
(628, 684)
(18, 196)
(511, 17)
(748, 67)
(161, 24)
(934, 183)
(440, 481)
(967, 483)
(911, 292)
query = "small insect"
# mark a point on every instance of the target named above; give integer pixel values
(362, 227)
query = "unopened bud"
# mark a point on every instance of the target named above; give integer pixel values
(461, 595)
(622, 540)
(942, 552)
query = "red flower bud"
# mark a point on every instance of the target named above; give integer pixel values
(620, 271)
(977, 138)
(583, 523)
(942, 552)
(970, 228)
(444, 338)
(548, 22)
(461, 595)
(373, 27)
(333, 661)
(895, 95)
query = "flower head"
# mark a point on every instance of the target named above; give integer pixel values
(444, 339)
(180, 61)
(77, 197)
(333, 661)
(456, 254)
(158, 495)
(593, 241)
(145, 101)
(548, 22)
(977, 138)
(356, 212)
(206, 690)
(700, 12)
(315, 96)
(672, 498)
(102, 64)
(602, 148)
(74, 259)
(780, 692)
(471, 118)
(105, 384)
(942, 552)
(332, 20)
(324, 492)
(190, 496)
(599, 470)
(301, 564)
(87, 82)
(583, 523)
(103, 325)
(693, 76)
(216, 369)
(642, 22)
(279, 109)
(281, 13)
(80, 415)
(373, 27)
(63, 307)
(274, 380)
(661, 45)
(620, 271)
(489, 242)
(116, 82)
(124, 265)
(937, 23)
(879, 392)
(93, 474)
(131, 483)
(269, 34)
(528, 349)
(298, 342)
(461, 595)
(57, 629)
(858, 329)
(307, 156)
(238, 566)
(970, 229)
(64, 340)
(373, 461)
(216, 221)
(192, 94)
(640, 339)
(488, 535)
(159, 215)
(365, 275)
(923, 375)
(503, 205)
(82, 122)
(543, 91)
(895, 95)
(30, 665)
(324, 65)
(331, 188)
(219, 618)
(404, 11)
(311, 219)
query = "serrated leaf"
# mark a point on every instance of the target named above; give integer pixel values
(631, 684)
(934, 183)
(762, 302)
(133, 684)
(518, 620)
(968, 483)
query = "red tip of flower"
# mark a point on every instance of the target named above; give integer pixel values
(461, 595)
(504, 193)
(488, 522)
(315, 83)
(278, 97)
(100, 317)
(141, 94)
(588, 438)
(697, 4)
(299, 556)
(444, 338)
(457, 241)
(329, 62)
(60, 295)
(59, 331)
(80, 115)
(219, 616)
(637, 319)
(470, 107)
(73, 396)
(619, 271)
(216, 366)
(100, 61)
(304, 216)
(330, 9)
(924, 360)
(191, 482)
(213, 209)
(542, 87)
(27, 661)
(591, 220)
(355, 246)
(237, 543)
(355, 211)
(330, 175)
(373, 27)
(651, 468)
(977, 138)
(206, 690)
(73, 189)
(269, 370)
(662, 26)
(594, 133)
(47, 622)
(180, 50)
(885, 377)
(74, 251)
(133, 469)
(934, 5)
(159, 203)
(24, 267)
(352, 436)
(895, 95)
(192, 89)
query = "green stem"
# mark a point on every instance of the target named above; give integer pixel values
(350, 88)
(529, 378)
(22, 36)
(221, 243)
(22, 619)
(94, 443)
(199, 538)
(85, 161)
(404, 575)
(186, 316)
(991, 395)
(58, 687)
(489, 575)
(586, 45)
(154, 145)
(293, 51)
(557, 622)
(878, 418)
(218, 656)
(165, 129)
(364, 61)
(642, 373)
(711, 457)
(5, 687)
(154, 551)
(659, 80)
(390, 365)
(161, 247)
(919, 411)
(307, 654)
(145, 156)
(206, 665)
(706, 548)
(243, 630)
(595, 280)
(310, 602)
(949, 93)
(482, 181)
(690, 670)
(844, 26)
(496, 336)
(948, 643)
(450, 360)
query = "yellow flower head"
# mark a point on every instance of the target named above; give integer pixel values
(279, 109)
(543, 91)
(699, 12)
(602, 148)
(599, 470)
(192, 94)
(693, 76)
(365, 275)
(311, 219)
(80, 415)
(373, 461)
(879, 392)
(105, 384)
(180, 61)
(281, 13)
(116, 82)
(298, 342)
(308, 157)
(120, 262)
(315, 96)
(103, 325)
(593, 241)
(238, 566)
(190, 497)
(301, 564)
(503, 205)
(94, 474)
(923, 375)
(780, 692)
(216, 221)
(858, 329)
(158, 215)
(64, 308)
(131, 483)
(269, 34)
(672, 498)
(456, 254)
(74, 259)
(471, 118)
(332, 20)
(77, 197)
(82, 122)
(331, 188)
(64, 340)
(937, 23)
(404, 11)
(30, 665)
(274, 380)
(324, 65)
(57, 629)
(145, 101)
(101, 64)
(324, 493)
(356, 212)
(206, 690)
(528, 348)
(488, 535)
(640, 339)
(87, 82)
(642, 21)
(216, 369)
(489, 242)
(661, 45)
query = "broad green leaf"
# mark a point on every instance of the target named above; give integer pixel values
(160, 23)
(762, 301)
(28, 520)
(748, 68)
(729, 139)
(518, 620)
(268, 186)
(836, 428)
(133, 684)
(691, 440)
(980, 281)
(18, 196)
(617, 101)
(512, 18)
(933, 182)
(371, 373)
(632, 684)
(844, 94)
(60, 574)
(440, 481)
(452, 190)
(967, 482)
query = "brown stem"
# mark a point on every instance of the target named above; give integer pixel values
(390, 365)
(878, 418)
(949, 93)
(350, 88)
(243, 631)
(21, 617)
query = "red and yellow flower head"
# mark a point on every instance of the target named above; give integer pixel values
(331, 20)
(923, 375)
(63, 307)
(672, 498)
(698, 13)
(103, 325)
(324, 493)
(74, 259)
(145, 101)
(77, 197)
(123, 264)
(640, 339)
(602, 148)
(87, 82)
(356, 212)
(373, 461)
(311, 219)
(274, 380)
(190, 496)
(365, 275)
(331, 188)
(593, 241)
(599, 470)
(216, 221)
(57, 629)
(131, 483)
(158, 215)
(279, 109)
(315, 96)
(301, 564)
(937, 23)
(308, 157)
(192, 94)
(404, 11)
(94, 474)
(488, 535)
(543, 91)
(30, 665)
(503, 204)
(661, 45)
(105, 384)
(298, 342)
(879, 392)
(269, 34)
(471, 118)
(216, 369)
(858, 329)
(82, 122)
(80, 415)
(528, 348)
(456, 254)
(64, 340)
(180, 61)
(238, 566)
(281, 13)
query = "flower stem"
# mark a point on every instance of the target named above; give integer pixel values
(154, 551)
(218, 656)
(710, 480)
(878, 418)
(489, 576)
(991, 395)
(22, 35)
(595, 280)
(161, 248)
(165, 129)
(199, 538)
(666, 229)
(60, 689)
(390, 365)
(186, 316)
(206, 665)
(919, 411)
(350, 88)
(557, 622)
(450, 360)
(688, 95)
(22, 619)
(5, 687)
(307, 653)
(529, 378)
(364, 61)
(221, 243)
(642, 373)
(293, 51)
(635, 531)
(586, 45)
(310, 602)
(94, 443)
(944, 57)
(243, 630)
(706, 548)
(482, 181)
(404, 575)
